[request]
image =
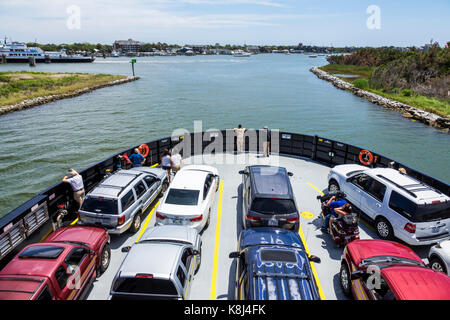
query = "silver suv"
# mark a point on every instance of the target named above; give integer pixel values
(160, 265)
(400, 205)
(118, 202)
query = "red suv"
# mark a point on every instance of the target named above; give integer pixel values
(60, 268)
(386, 270)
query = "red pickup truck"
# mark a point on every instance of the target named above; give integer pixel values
(60, 268)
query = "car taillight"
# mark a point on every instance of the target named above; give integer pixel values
(252, 218)
(144, 275)
(411, 228)
(293, 220)
(121, 220)
(196, 219)
(160, 216)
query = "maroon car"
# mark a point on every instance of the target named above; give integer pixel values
(60, 268)
(386, 270)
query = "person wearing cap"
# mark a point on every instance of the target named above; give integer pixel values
(76, 182)
(266, 143)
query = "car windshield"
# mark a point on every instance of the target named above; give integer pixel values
(389, 260)
(99, 205)
(273, 206)
(183, 197)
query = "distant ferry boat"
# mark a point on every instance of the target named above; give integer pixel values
(18, 52)
(313, 56)
(241, 53)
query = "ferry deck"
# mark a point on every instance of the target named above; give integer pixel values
(215, 278)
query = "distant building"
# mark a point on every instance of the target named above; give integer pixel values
(129, 45)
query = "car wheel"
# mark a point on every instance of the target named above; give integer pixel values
(333, 186)
(384, 229)
(199, 261)
(345, 280)
(209, 220)
(105, 258)
(136, 223)
(437, 265)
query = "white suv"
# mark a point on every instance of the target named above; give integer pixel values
(400, 205)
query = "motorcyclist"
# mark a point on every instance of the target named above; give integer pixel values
(341, 212)
(334, 203)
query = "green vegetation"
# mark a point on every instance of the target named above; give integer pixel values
(419, 79)
(20, 85)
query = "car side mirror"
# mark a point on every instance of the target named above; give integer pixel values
(357, 275)
(195, 252)
(290, 174)
(235, 254)
(242, 172)
(314, 259)
(126, 249)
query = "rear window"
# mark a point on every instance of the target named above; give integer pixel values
(146, 286)
(416, 213)
(41, 252)
(273, 206)
(183, 197)
(278, 255)
(100, 205)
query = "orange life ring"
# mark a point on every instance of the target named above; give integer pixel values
(366, 157)
(143, 150)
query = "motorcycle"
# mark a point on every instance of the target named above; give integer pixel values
(344, 229)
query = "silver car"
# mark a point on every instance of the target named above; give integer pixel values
(160, 266)
(118, 202)
(439, 257)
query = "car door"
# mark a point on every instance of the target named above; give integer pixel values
(354, 188)
(142, 194)
(188, 263)
(80, 264)
(242, 279)
(154, 186)
(129, 204)
(372, 198)
(208, 192)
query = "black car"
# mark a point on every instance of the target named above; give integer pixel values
(272, 265)
(268, 198)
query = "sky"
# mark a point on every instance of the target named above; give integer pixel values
(253, 22)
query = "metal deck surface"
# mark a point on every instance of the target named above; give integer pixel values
(215, 278)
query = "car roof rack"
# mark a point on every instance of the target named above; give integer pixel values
(398, 186)
(264, 273)
(412, 188)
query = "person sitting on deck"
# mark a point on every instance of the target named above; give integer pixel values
(333, 203)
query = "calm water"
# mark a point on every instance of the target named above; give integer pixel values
(39, 144)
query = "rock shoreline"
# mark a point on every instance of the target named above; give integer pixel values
(407, 111)
(25, 104)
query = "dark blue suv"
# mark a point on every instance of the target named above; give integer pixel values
(272, 265)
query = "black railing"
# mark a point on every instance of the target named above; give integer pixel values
(322, 150)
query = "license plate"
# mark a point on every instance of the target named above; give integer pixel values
(177, 221)
(273, 223)
(435, 229)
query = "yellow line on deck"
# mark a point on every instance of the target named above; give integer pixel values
(147, 220)
(317, 189)
(154, 165)
(216, 245)
(321, 294)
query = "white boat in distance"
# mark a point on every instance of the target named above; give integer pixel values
(241, 53)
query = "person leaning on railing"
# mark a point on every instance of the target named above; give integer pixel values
(76, 182)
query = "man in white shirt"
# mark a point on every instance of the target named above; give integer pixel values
(176, 162)
(239, 131)
(76, 182)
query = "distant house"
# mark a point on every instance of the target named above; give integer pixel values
(129, 45)
(253, 49)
